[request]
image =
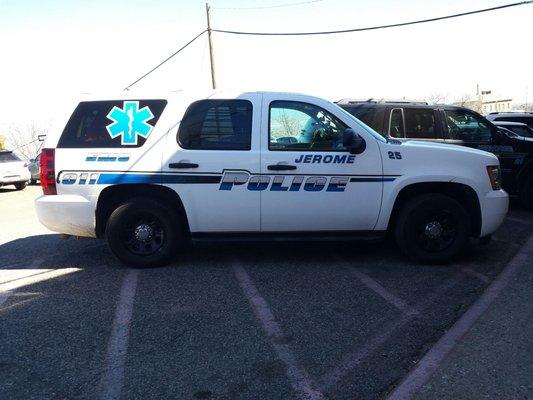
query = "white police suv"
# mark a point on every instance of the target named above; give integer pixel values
(150, 173)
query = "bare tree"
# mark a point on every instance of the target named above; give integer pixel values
(437, 98)
(462, 100)
(291, 126)
(24, 140)
(467, 101)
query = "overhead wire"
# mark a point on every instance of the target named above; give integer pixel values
(165, 60)
(370, 28)
(300, 3)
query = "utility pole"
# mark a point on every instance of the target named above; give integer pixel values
(211, 55)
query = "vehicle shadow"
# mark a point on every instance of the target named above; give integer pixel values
(53, 252)
(7, 189)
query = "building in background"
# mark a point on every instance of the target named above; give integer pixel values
(484, 102)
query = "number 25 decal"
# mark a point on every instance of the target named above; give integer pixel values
(395, 155)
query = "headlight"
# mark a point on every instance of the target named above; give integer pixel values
(495, 176)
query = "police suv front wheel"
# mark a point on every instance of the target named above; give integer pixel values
(144, 233)
(432, 228)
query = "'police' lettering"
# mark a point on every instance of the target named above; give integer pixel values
(283, 183)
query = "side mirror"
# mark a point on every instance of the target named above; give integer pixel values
(354, 143)
(41, 138)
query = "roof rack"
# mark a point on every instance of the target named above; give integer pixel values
(381, 101)
(510, 112)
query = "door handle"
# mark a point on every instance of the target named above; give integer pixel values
(182, 165)
(281, 167)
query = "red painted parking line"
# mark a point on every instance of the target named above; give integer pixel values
(352, 360)
(419, 376)
(298, 377)
(113, 376)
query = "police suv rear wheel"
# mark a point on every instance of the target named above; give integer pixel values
(144, 233)
(432, 228)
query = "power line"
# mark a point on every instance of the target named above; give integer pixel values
(374, 27)
(165, 60)
(267, 7)
(328, 32)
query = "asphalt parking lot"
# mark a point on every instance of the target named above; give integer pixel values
(281, 320)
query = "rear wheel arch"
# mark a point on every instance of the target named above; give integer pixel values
(462, 193)
(113, 196)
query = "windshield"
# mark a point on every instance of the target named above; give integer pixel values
(6, 157)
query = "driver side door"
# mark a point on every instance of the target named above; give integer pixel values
(466, 128)
(309, 181)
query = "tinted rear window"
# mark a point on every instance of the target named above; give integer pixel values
(371, 116)
(217, 125)
(121, 123)
(6, 157)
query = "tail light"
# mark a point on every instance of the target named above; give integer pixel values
(48, 172)
(25, 165)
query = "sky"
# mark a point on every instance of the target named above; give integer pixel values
(53, 51)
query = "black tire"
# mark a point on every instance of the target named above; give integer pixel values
(144, 233)
(33, 181)
(432, 228)
(526, 193)
(21, 185)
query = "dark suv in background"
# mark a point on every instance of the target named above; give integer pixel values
(521, 117)
(405, 120)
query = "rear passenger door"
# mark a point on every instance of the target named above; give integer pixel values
(216, 138)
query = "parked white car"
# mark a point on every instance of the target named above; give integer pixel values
(150, 173)
(13, 171)
(35, 169)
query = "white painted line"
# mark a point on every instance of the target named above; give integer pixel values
(331, 379)
(381, 291)
(3, 297)
(475, 274)
(298, 377)
(113, 376)
(420, 375)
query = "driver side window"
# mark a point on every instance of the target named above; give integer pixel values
(302, 126)
(465, 126)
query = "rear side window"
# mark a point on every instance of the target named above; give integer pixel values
(419, 123)
(371, 116)
(6, 157)
(217, 125)
(121, 123)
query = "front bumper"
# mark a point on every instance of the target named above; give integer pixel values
(494, 206)
(68, 214)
